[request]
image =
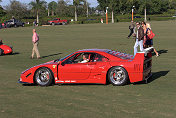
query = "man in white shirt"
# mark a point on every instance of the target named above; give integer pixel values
(139, 38)
(85, 59)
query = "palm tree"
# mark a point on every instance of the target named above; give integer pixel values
(52, 6)
(37, 5)
(112, 5)
(76, 3)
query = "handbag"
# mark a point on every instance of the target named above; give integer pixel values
(151, 35)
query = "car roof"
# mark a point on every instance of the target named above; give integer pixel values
(110, 52)
(94, 50)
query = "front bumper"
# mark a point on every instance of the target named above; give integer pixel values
(19, 81)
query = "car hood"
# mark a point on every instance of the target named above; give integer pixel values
(41, 65)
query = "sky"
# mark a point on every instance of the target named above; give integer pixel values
(6, 2)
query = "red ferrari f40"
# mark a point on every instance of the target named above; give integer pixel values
(4, 49)
(92, 66)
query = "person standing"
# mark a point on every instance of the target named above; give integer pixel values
(149, 42)
(139, 38)
(145, 30)
(131, 27)
(35, 41)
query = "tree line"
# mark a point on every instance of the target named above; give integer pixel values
(125, 6)
(40, 8)
(62, 8)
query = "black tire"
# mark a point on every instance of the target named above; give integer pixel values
(118, 76)
(43, 76)
(1, 51)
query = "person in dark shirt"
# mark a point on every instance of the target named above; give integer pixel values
(131, 27)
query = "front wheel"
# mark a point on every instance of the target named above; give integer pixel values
(118, 76)
(43, 77)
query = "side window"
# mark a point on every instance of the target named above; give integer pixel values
(74, 59)
(70, 59)
(99, 58)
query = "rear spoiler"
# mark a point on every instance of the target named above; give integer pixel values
(145, 53)
(147, 50)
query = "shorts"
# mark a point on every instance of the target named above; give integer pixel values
(149, 42)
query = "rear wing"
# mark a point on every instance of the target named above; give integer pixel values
(146, 54)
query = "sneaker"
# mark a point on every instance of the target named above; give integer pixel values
(157, 55)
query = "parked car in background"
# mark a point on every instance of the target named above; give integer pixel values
(137, 16)
(14, 23)
(57, 21)
(4, 49)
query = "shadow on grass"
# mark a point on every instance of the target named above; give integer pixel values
(160, 52)
(51, 55)
(155, 75)
(69, 84)
(81, 84)
(29, 84)
(15, 53)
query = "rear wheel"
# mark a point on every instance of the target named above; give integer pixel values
(118, 76)
(53, 24)
(1, 51)
(43, 77)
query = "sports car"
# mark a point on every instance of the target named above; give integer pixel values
(102, 66)
(4, 49)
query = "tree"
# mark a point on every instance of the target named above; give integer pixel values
(103, 4)
(52, 6)
(2, 12)
(37, 5)
(16, 9)
(112, 5)
(86, 7)
(62, 8)
(76, 3)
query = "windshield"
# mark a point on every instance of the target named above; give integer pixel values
(63, 58)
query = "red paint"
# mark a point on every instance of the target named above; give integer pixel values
(57, 21)
(94, 72)
(6, 49)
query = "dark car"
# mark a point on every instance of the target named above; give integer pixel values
(0, 25)
(137, 16)
(14, 23)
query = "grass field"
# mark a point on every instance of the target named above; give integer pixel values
(153, 100)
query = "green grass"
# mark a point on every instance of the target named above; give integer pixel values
(153, 100)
